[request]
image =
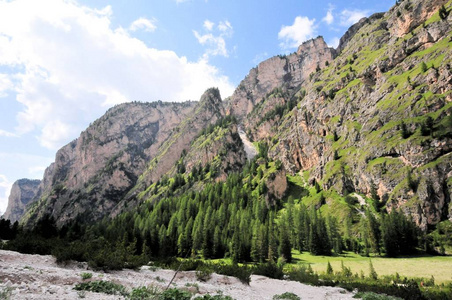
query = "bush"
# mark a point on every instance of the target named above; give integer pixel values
(99, 286)
(242, 273)
(174, 294)
(287, 296)
(443, 12)
(405, 132)
(214, 297)
(373, 296)
(143, 292)
(269, 269)
(424, 67)
(5, 292)
(204, 274)
(304, 274)
(86, 276)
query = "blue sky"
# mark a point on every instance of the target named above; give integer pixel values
(64, 63)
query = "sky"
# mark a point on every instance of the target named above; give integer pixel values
(63, 63)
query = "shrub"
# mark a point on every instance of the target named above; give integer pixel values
(204, 274)
(304, 274)
(173, 294)
(405, 132)
(214, 297)
(242, 273)
(269, 269)
(5, 292)
(99, 286)
(443, 13)
(144, 292)
(86, 276)
(424, 67)
(287, 296)
(373, 296)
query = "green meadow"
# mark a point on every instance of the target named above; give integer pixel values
(440, 267)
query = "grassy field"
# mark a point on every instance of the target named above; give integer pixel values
(414, 266)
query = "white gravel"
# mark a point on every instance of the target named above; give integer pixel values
(40, 277)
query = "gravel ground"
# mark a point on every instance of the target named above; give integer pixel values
(40, 277)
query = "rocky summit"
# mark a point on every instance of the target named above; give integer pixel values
(371, 118)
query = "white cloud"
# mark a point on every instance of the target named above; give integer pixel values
(215, 44)
(5, 85)
(301, 30)
(35, 164)
(5, 189)
(7, 133)
(260, 58)
(208, 25)
(225, 27)
(350, 17)
(329, 18)
(143, 24)
(68, 65)
(334, 42)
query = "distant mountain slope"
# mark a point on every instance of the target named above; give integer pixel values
(93, 173)
(22, 192)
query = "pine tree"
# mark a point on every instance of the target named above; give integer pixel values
(285, 247)
(329, 269)
(374, 232)
(372, 273)
(443, 12)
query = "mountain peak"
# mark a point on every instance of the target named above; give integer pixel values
(313, 45)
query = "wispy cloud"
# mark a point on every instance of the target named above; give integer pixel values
(67, 65)
(350, 17)
(5, 189)
(334, 42)
(225, 27)
(329, 18)
(301, 30)
(215, 42)
(5, 84)
(208, 25)
(260, 57)
(143, 24)
(7, 133)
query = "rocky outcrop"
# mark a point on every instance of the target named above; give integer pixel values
(290, 71)
(350, 33)
(22, 193)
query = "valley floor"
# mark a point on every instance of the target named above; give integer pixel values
(40, 277)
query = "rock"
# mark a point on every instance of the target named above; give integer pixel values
(22, 193)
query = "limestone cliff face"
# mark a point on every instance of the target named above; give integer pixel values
(22, 193)
(94, 172)
(289, 71)
(342, 122)
(206, 112)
